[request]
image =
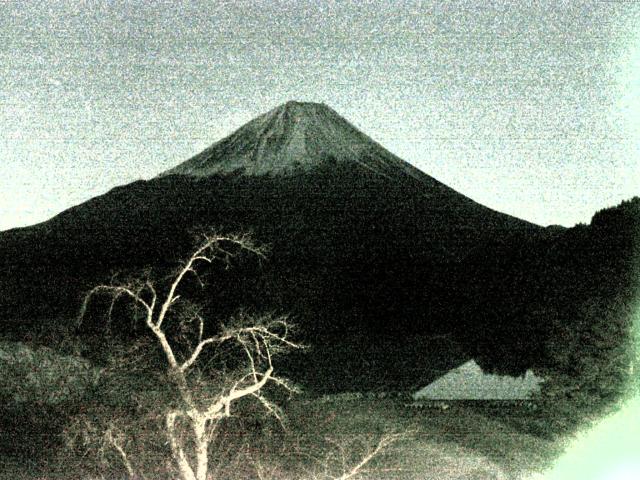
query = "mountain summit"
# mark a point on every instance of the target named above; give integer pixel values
(294, 137)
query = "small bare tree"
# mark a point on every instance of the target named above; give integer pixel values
(198, 411)
(349, 458)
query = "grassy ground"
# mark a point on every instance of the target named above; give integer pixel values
(324, 439)
(458, 443)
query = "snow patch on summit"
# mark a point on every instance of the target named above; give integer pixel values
(291, 137)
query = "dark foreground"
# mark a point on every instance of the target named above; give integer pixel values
(324, 438)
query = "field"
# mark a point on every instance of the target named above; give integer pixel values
(325, 438)
(463, 441)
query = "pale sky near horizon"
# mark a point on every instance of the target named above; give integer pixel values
(530, 108)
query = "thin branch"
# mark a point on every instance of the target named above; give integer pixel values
(203, 258)
(113, 290)
(174, 285)
(114, 299)
(384, 442)
(200, 255)
(154, 295)
(250, 357)
(123, 455)
(200, 326)
(224, 402)
(196, 352)
(270, 407)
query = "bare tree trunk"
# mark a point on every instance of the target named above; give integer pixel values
(186, 472)
(202, 447)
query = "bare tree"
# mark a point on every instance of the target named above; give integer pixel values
(198, 411)
(349, 458)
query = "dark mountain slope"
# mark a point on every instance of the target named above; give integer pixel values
(351, 252)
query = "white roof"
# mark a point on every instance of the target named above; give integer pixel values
(469, 382)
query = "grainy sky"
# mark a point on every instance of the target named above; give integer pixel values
(531, 108)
